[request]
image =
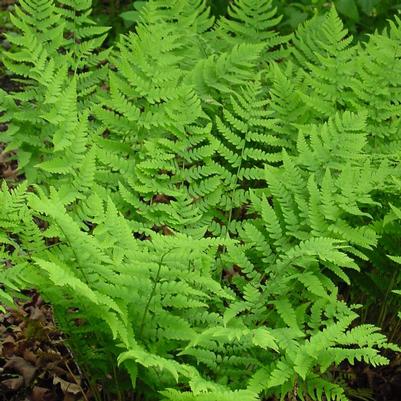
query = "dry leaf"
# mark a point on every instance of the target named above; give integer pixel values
(14, 383)
(20, 365)
(66, 386)
(42, 394)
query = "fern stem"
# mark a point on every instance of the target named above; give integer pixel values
(152, 293)
(75, 254)
(383, 309)
(395, 331)
(119, 394)
(76, 381)
(235, 183)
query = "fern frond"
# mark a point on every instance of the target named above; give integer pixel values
(252, 22)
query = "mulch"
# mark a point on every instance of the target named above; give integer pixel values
(35, 363)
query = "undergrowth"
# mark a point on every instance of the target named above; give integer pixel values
(197, 197)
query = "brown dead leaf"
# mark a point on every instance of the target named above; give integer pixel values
(56, 369)
(10, 173)
(37, 314)
(69, 397)
(23, 367)
(30, 356)
(13, 384)
(8, 347)
(33, 354)
(42, 394)
(167, 231)
(67, 387)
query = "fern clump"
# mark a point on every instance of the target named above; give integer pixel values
(199, 196)
(48, 117)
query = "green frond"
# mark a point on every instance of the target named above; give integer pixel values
(196, 197)
(243, 395)
(222, 74)
(317, 388)
(250, 21)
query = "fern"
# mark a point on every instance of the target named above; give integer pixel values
(19, 240)
(46, 115)
(323, 50)
(382, 122)
(202, 199)
(246, 140)
(252, 22)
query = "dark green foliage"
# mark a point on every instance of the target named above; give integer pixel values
(200, 200)
(359, 16)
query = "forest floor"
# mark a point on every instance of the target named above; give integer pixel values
(35, 363)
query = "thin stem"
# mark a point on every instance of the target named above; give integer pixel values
(152, 293)
(76, 380)
(119, 394)
(384, 308)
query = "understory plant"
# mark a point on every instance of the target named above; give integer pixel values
(196, 198)
(360, 16)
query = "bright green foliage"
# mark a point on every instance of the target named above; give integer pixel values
(46, 116)
(152, 295)
(383, 280)
(251, 22)
(201, 201)
(19, 237)
(246, 140)
(81, 35)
